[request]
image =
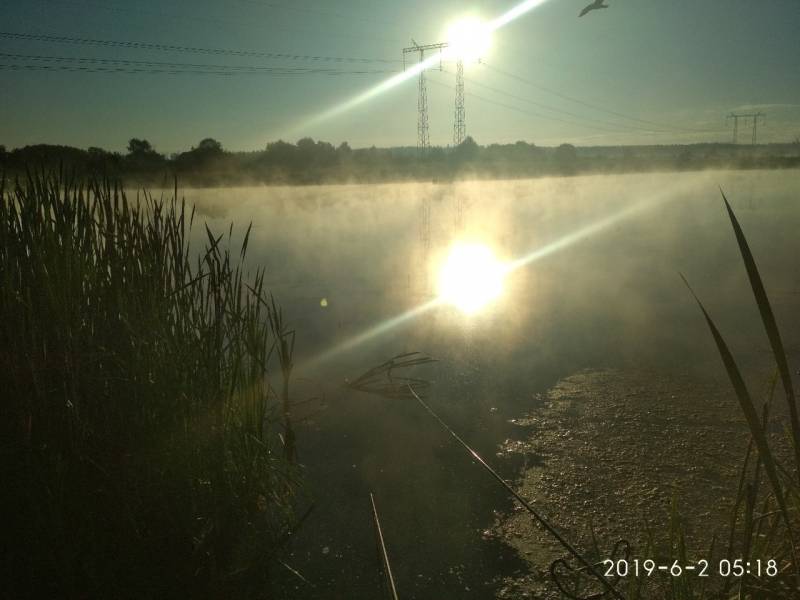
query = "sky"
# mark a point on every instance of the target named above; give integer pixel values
(639, 72)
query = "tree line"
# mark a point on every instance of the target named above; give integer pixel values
(310, 162)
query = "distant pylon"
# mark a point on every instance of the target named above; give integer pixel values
(735, 126)
(755, 126)
(754, 116)
(423, 133)
(460, 124)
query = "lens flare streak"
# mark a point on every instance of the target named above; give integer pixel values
(490, 27)
(559, 244)
(374, 332)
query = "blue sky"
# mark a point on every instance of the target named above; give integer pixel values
(677, 66)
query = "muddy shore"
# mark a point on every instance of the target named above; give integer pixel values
(608, 451)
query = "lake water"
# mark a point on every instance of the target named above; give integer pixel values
(606, 292)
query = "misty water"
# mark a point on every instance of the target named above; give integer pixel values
(607, 295)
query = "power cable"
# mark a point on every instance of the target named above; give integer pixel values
(590, 105)
(60, 39)
(559, 110)
(525, 112)
(159, 64)
(169, 71)
(552, 118)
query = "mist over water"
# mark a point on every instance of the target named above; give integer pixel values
(611, 299)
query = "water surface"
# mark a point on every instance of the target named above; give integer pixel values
(611, 298)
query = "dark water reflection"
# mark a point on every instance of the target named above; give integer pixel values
(610, 300)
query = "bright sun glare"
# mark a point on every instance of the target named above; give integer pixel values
(471, 277)
(468, 39)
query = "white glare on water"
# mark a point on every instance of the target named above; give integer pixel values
(471, 277)
(459, 293)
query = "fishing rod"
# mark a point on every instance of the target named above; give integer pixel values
(540, 518)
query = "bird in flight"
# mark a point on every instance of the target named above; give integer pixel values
(593, 6)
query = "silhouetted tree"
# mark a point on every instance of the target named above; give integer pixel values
(281, 153)
(306, 146)
(209, 146)
(566, 157)
(467, 150)
(139, 147)
(143, 159)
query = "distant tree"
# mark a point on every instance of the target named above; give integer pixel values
(203, 162)
(684, 159)
(566, 152)
(325, 154)
(209, 146)
(467, 150)
(306, 145)
(139, 147)
(344, 148)
(280, 149)
(280, 157)
(143, 159)
(101, 160)
(566, 157)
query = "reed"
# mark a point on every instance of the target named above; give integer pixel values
(139, 450)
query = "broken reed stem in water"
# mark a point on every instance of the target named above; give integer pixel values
(540, 518)
(383, 554)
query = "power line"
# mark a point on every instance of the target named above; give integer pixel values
(234, 69)
(167, 71)
(523, 111)
(58, 39)
(594, 106)
(552, 118)
(564, 112)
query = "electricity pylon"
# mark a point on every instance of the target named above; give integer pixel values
(754, 116)
(460, 124)
(423, 134)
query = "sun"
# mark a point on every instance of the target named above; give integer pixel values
(468, 40)
(471, 277)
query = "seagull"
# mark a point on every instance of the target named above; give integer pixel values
(594, 5)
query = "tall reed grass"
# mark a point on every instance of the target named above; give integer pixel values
(139, 450)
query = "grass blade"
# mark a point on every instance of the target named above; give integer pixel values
(770, 326)
(753, 420)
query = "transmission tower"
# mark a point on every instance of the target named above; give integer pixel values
(423, 134)
(754, 116)
(460, 125)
